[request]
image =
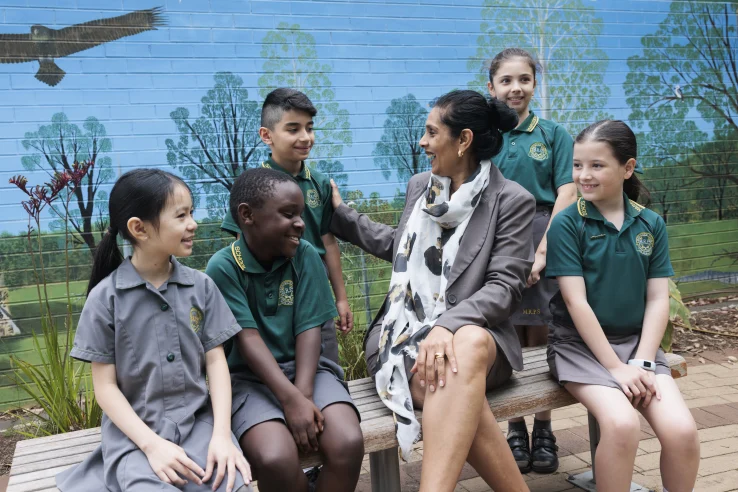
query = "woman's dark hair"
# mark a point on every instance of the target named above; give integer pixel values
(508, 54)
(485, 117)
(622, 141)
(141, 193)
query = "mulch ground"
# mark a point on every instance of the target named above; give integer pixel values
(715, 331)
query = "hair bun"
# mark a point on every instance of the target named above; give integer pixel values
(501, 116)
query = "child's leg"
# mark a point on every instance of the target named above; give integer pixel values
(341, 446)
(675, 428)
(537, 336)
(272, 454)
(619, 429)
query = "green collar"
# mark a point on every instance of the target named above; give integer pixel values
(529, 124)
(246, 260)
(271, 164)
(587, 209)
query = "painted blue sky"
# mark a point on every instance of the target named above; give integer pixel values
(377, 51)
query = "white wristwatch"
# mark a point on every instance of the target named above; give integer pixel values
(648, 365)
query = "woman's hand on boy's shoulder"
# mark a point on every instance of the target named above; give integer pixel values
(336, 199)
(228, 458)
(304, 420)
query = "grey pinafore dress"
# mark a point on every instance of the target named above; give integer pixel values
(157, 339)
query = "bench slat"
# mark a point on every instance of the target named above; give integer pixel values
(37, 461)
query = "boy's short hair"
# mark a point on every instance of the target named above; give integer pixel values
(283, 99)
(255, 187)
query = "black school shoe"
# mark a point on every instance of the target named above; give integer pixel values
(518, 440)
(543, 456)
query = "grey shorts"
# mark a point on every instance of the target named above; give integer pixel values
(254, 403)
(571, 361)
(499, 373)
(533, 309)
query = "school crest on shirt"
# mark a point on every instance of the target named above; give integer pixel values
(538, 151)
(644, 243)
(312, 199)
(286, 293)
(196, 318)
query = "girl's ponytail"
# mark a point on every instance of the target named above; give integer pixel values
(140, 193)
(637, 191)
(107, 258)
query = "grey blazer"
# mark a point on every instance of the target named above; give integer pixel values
(494, 260)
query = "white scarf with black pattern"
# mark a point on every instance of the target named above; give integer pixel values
(420, 272)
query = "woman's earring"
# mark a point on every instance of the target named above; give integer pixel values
(461, 153)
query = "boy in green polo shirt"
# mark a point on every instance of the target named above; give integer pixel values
(287, 128)
(286, 397)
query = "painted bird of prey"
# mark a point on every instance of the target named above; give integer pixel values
(45, 44)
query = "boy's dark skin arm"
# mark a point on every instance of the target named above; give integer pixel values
(304, 420)
(307, 353)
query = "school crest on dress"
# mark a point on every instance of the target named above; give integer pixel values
(538, 151)
(196, 318)
(312, 199)
(644, 243)
(286, 293)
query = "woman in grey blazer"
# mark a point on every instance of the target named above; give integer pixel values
(461, 255)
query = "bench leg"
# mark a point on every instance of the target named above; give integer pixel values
(586, 480)
(384, 467)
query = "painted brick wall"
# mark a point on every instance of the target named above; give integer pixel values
(373, 68)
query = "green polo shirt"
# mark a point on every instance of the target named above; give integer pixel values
(538, 155)
(616, 265)
(316, 188)
(290, 298)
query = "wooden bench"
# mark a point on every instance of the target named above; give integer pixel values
(37, 461)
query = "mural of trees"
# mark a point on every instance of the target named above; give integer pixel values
(399, 151)
(291, 60)
(55, 148)
(687, 67)
(213, 150)
(562, 35)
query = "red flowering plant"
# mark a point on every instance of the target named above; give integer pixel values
(58, 385)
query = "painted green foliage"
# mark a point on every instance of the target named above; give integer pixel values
(291, 60)
(562, 36)
(213, 150)
(399, 148)
(55, 148)
(688, 67)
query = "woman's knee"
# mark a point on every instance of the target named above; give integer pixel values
(472, 345)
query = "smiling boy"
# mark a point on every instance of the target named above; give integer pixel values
(287, 128)
(283, 390)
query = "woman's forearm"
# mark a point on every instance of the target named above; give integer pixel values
(117, 408)
(219, 382)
